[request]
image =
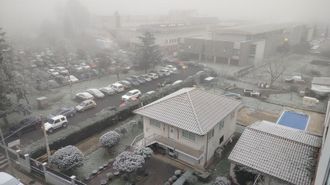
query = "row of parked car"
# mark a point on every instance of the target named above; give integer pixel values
(58, 119)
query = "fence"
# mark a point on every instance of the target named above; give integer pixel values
(32, 166)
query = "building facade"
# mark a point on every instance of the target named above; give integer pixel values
(184, 131)
(243, 45)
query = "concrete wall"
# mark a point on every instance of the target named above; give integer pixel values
(323, 169)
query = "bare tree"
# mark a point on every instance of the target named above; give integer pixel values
(275, 69)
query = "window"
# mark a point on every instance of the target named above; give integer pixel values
(221, 124)
(57, 121)
(221, 140)
(210, 134)
(188, 135)
(155, 123)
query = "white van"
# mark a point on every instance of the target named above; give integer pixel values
(118, 87)
(7, 179)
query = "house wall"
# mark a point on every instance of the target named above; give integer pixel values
(165, 131)
(227, 131)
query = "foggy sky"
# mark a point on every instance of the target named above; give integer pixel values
(19, 15)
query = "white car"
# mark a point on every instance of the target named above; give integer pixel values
(172, 68)
(7, 179)
(87, 104)
(118, 87)
(132, 94)
(107, 90)
(84, 96)
(55, 123)
(177, 82)
(164, 72)
(96, 93)
(153, 76)
(62, 70)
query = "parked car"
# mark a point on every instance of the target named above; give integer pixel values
(250, 92)
(7, 179)
(172, 68)
(118, 87)
(126, 84)
(62, 70)
(87, 104)
(177, 82)
(234, 95)
(24, 126)
(132, 94)
(96, 93)
(141, 80)
(65, 111)
(56, 122)
(146, 77)
(84, 96)
(133, 81)
(153, 76)
(107, 90)
(164, 72)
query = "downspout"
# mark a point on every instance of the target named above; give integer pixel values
(207, 149)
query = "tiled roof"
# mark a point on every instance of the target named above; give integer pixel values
(285, 153)
(191, 109)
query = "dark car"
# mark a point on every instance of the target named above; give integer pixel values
(133, 81)
(65, 111)
(141, 80)
(24, 126)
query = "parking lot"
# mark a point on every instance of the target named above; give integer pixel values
(114, 100)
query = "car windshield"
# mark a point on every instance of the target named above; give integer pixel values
(50, 120)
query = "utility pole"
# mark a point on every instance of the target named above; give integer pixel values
(6, 151)
(46, 141)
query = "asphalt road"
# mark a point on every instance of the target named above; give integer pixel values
(114, 100)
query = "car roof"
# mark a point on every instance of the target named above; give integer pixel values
(86, 101)
(57, 117)
(6, 178)
(134, 90)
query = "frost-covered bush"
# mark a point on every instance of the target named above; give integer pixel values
(145, 152)
(109, 139)
(67, 157)
(221, 181)
(128, 162)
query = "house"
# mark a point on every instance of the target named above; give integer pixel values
(279, 154)
(321, 85)
(189, 124)
(323, 168)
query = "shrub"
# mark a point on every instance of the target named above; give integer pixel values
(128, 162)
(67, 157)
(145, 152)
(221, 181)
(109, 139)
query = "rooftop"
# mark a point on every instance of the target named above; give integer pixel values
(321, 80)
(279, 151)
(251, 29)
(191, 109)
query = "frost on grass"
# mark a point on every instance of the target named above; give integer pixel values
(221, 181)
(145, 152)
(67, 157)
(128, 162)
(109, 139)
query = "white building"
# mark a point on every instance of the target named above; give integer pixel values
(323, 169)
(189, 124)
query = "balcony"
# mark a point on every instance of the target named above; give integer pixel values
(170, 143)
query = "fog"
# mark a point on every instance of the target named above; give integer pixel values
(20, 15)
